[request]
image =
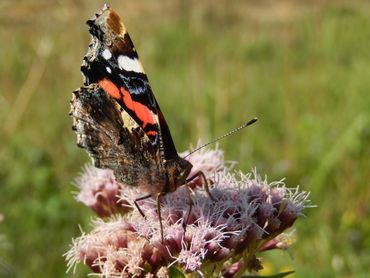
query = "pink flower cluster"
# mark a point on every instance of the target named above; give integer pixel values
(213, 237)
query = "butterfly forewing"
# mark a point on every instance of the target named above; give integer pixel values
(113, 63)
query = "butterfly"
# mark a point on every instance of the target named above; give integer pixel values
(117, 118)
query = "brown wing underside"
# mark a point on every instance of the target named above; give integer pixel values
(113, 141)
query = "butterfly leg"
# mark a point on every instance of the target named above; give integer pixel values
(184, 223)
(137, 205)
(159, 195)
(206, 187)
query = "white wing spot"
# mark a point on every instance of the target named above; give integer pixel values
(129, 64)
(108, 69)
(107, 54)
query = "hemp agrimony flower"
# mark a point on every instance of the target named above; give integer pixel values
(202, 237)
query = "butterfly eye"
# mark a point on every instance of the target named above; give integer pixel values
(182, 174)
(179, 173)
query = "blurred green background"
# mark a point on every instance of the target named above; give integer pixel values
(301, 67)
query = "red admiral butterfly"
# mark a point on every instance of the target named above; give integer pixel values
(117, 118)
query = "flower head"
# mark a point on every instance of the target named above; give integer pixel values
(247, 216)
(99, 191)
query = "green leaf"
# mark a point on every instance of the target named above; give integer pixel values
(279, 275)
(176, 273)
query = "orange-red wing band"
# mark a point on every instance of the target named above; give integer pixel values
(111, 89)
(123, 96)
(141, 111)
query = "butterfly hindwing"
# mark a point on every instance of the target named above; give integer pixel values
(97, 120)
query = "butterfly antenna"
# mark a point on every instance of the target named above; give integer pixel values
(223, 136)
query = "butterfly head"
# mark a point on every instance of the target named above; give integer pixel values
(178, 170)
